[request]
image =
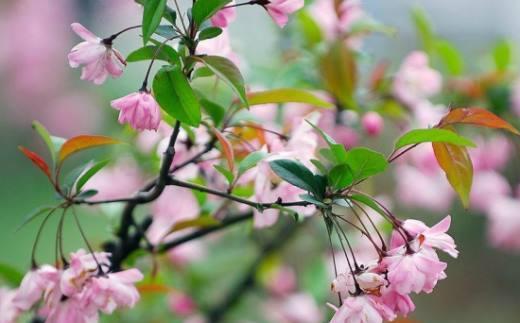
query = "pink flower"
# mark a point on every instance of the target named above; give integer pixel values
(224, 16)
(33, 286)
(220, 46)
(97, 56)
(181, 304)
(415, 271)
(295, 308)
(491, 154)
(369, 282)
(415, 80)
(504, 223)
(82, 266)
(7, 307)
(282, 281)
(358, 309)
(372, 123)
(70, 310)
(114, 290)
(400, 304)
(279, 10)
(434, 237)
(138, 109)
(487, 187)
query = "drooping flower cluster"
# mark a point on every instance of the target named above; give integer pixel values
(79, 291)
(381, 290)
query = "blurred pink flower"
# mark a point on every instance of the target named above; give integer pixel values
(70, 310)
(491, 153)
(427, 115)
(416, 80)
(369, 282)
(279, 10)
(33, 286)
(282, 281)
(220, 46)
(401, 304)
(7, 307)
(504, 223)
(224, 16)
(139, 109)
(487, 187)
(174, 205)
(181, 304)
(82, 265)
(372, 123)
(294, 308)
(97, 56)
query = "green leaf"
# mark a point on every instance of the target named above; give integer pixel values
(309, 28)
(503, 55)
(153, 12)
(34, 214)
(210, 32)
(166, 53)
(250, 161)
(87, 194)
(328, 139)
(214, 110)
(89, 173)
(311, 199)
(226, 71)
(204, 9)
(432, 135)
(339, 73)
(296, 174)
(365, 162)
(424, 29)
(166, 31)
(286, 95)
(319, 165)
(175, 95)
(226, 173)
(202, 71)
(450, 56)
(10, 275)
(45, 135)
(368, 202)
(341, 176)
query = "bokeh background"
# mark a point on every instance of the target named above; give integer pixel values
(37, 84)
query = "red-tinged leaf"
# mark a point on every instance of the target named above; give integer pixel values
(37, 160)
(478, 117)
(227, 149)
(83, 142)
(153, 288)
(456, 163)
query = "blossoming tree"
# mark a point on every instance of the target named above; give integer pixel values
(281, 157)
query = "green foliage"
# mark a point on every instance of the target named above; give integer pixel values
(166, 53)
(296, 174)
(250, 161)
(503, 55)
(210, 32)
(10, 275)
(204, 9)
(432, 135)
(286, 95)
(175, 95)
(365, 162)
(153, 13)
(91, 171)
(341, 176)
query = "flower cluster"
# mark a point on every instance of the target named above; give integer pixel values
(79, 291)
(381, 289)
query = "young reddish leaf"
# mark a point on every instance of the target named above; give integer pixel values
(37, 160)
(83, 142)
(477, 117)
(456, 163)
(153, 288)
(227, 149)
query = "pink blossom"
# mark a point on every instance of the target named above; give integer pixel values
(504, 223)
(415, 271)
(181, 304)
(82, 266)
(114, 290)
(416, 80)
(428, 115)
(279, 10)
(359, 309)
(174, 205)
(434, 237)
(224, 16)
(398, 303)
(491, 154)
(372, 123)
(294, 308)
(282, 281)
(138, 109)
(220, 46)
(369, 282)
(33, 286)
(70, 310)
(336, 22)
(9, 312)
(487, 187)
(97, 56)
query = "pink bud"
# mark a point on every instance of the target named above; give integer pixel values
(139, 109)
(372, 123)
(181, 304)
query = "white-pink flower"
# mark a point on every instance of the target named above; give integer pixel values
(279, 10)
(8, 311)
(138, 109)
(369, 282)
(413, 271)
(487, 187)
(358, 309)
(398, 303)
(98, 57)
(82, 266)
(33, 286)
(416, 80)
(224, 16)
